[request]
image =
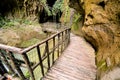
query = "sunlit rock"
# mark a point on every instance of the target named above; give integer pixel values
(102, 29)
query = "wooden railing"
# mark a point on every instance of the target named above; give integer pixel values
(33, 62)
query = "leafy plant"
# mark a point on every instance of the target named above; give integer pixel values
(27, 75)
(76, 20)
(46, 7)
(2, 21)
(57, 7)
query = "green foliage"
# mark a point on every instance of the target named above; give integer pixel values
(47, 8)
(27, 22)
(43, 1)
(6, 23)
(57, 7)
(102, 65)
(27, 75)
(76, 20)
(2, 21)
(30, 42)
(67, 13)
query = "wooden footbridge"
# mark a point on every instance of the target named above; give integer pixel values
(59, 57)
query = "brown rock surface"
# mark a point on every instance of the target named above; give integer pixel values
(102, 29)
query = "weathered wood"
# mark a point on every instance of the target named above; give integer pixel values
(10, 48)
(49, 38)
(76, 63)
(18, 50)
(58, 40)
(62, 43)
(40, 59)
(17, 67)
(69, 31)
(53, 50)
(27, 61)
(58, 52)
(48, 57)
(6, 61)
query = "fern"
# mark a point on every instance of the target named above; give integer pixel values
(57, 7)
(77, 18)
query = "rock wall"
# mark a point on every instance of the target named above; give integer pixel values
(102, 29)
(20, 9)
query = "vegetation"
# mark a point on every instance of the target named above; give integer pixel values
(77, 18)
(5, 23)
(57, 7)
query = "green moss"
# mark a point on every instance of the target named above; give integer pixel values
(67, 14)
(29, 42)
(77, 18)
(77, 24)
(102, 65)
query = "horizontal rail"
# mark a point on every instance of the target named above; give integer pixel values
(31, 47)
(21, 51)
(10, 48)
(44, 56)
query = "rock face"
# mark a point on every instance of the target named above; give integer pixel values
(102, 29)
(20, 9)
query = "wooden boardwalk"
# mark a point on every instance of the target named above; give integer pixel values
(77, 62)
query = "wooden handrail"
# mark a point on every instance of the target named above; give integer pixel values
(21, 51)
(31, 47)
(10, 48)
(60, 41)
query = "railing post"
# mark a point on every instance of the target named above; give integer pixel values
(69, 30)
(66, 40)
(19, 72)
(6, 61)
(48, 57)
(26, 59)
(53, 50)
(58, 53)
(62, 43)
(68, 36)
(40, 59)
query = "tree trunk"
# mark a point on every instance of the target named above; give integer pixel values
(102, 29)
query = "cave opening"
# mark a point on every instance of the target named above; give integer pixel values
(51, 2)
(7, 6)
(44, 17)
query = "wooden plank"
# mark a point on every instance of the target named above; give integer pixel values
(73, 64)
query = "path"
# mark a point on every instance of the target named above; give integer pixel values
(77, 62)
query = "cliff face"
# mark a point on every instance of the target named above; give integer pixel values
(102, 29)
(20, 8)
